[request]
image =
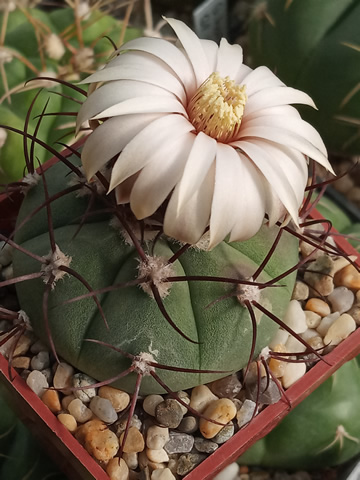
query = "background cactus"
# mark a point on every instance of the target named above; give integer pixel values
(66, 44)
(314, 46)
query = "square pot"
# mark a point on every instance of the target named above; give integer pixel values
(73, 459)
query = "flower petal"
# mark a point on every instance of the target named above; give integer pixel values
(275, 96)
(229, 59)
(105, 141)
(188, 222)
(155, 104)
(211, 51)
(259, 79)
(193, 49)
(168, 53)
(160, 175)
(115, 92)
(146, 145)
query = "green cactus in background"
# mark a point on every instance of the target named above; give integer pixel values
(65, 44)
(315, 46)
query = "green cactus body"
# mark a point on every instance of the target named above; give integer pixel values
(21, 40)
(314, 46)
(323, 431)
(224, 329)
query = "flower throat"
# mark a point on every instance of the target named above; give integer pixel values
(217, 107)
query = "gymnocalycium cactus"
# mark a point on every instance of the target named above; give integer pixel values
(315, 46)
(65, 44)
(163, 255)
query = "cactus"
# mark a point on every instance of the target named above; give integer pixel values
(322, 431)
(65, 44)
(315, 46)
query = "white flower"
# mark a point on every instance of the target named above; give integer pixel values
(195, 126)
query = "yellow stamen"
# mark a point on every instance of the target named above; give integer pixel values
(217, 107)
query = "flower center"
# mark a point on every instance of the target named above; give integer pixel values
(217, 107)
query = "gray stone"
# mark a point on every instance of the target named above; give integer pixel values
(169, 413)
(179, 443)
(40, 361)
(81, 380)
(227, 387)
(37, 382)
(205, 446)
(189, 424)
(269, 391)
(38, 347)
(341, 299)
(225, 434)
(246, 412)
(188, 462)
(103, 409)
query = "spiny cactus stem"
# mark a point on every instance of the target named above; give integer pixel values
(45, 304)
(268, 255)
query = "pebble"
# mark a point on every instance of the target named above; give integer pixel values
(52, 400)
(80, 411)
(340, 329)
(63, 377)
(157, 437)
(318, 306)
(188, 424)
(119, 399)
(162, 474)
(37, 382)
(201, 397)
(225, 434)
(293, 372)
(293, 345)
(21, 362)
(228, 473)
(101, 444)
(47, 372)
(83, 380)
(326, 323)
(188, 462)
(246, 413)
(157, 456)
(276, 366)
(151, 402)
(131, 460)
(320, 276)
(65, 402)
(38, 347)
(134, 441)
(222, 410)
(227, 387)
(22, 345)
(40, 361)
(348, 277)
(312, 319)
(205, 446)
(179, 443)
(83, 430)
(103, 409)
(341, 299)
(169, 413)
(295, 317)
(184, 397)
(121, 424)
(355, 313)
(269, 391)
(307, 249)
(301, 291)
(68, 421)
(117, 469)
(280, 338)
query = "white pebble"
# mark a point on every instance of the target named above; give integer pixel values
(157, 437)
(309, 334)
(295, 317)
(326, 323)
(162, 474)
(229, 473)
(79, 411)
(292, 373)
(312, 319)
(341, 299)
(131, 460)
(294, 346)
(102, 408)
(151, 402)
(280, 338)
(37, 382)
(81, 380)
(157, 456)
(340, 329)
(201, 397)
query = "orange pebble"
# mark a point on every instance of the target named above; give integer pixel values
(348, 277)
(277, 367)
(318, 306)
(52, 400)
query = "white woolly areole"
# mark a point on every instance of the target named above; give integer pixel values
(265, 353)
(30, 180)
(56, 259)
(83, 10)
(84, 59)
(23, 318)
(157, 270)
(84, 191)
(5, 56)
(141, 363)
(54, 46)
(247, 293)
(135, 227)
(203, 244)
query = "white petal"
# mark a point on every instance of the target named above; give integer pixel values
(229, 59)
(273, 174)
(188, 223)
(272, 97)
(227, 178)
(110, 138)
(243, 72)
(146, 146)
(168, 53)
(116, 92)
(193, 49)
(142, 67)
(159, 176)
(211, 51)
(249, 203)
(259, 79)
(144, 105)
(200, 159)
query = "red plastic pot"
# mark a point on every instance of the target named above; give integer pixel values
(77, 463)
